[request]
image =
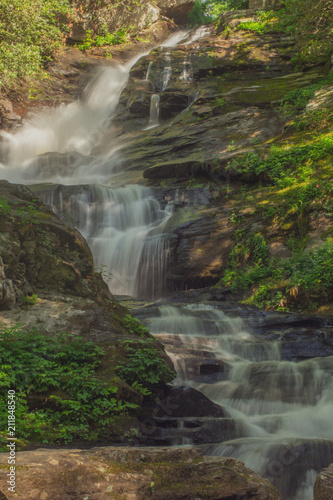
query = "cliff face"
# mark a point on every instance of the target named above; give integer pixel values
(113, 15)
(237, 129)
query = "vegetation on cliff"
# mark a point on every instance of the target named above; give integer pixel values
(61, 391)
(30, 32)
(293, 179)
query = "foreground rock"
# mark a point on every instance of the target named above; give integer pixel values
(323, 489)
(133, 474)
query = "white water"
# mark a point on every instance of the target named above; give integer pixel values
(167, 72)
(72, 127)
(123, 227)
(154, 117)
(187, 73)
(148, 71)
(283, 410)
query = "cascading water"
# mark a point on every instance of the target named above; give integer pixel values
(124, 229)
(187, 75)
(167, 72)
(73, 127)
(282, 410)
(154, 116)
(148, 71)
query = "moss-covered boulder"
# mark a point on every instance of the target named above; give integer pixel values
(134, 473)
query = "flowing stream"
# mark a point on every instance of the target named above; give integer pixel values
(282, 410)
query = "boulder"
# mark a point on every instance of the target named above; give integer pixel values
(134, 474)
(114, 15)
(188, 402)
(178, 10)
(323, 488)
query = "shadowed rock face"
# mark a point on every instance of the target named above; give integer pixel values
(42, 255)
(323, 489)
(176, 9)
(135, 473)
(40, 252)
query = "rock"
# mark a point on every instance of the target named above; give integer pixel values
(134, 473)
(187, 402)
(178, 10)
(55, 164)
(113, 15)
(323, 488)
(7, 295)
(41, 252)
(8, 118)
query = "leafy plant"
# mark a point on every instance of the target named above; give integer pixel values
(28, 300)
(30, 33)
(116, 38)
(133, 325)
(144, 365)
(60, 374)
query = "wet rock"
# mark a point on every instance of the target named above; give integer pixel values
(169, 431)
(135, 473)
(55, 164)
(323, 488)
(200, 242)
(187, 402)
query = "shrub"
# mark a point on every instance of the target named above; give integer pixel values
(30, 33)
(60, 374)
(144, 365)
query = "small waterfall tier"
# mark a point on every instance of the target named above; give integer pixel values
(124, 229)
(282, 411)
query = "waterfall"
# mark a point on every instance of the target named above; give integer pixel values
(124, 229)
(78, 126)
(282, 410)
(154, 111)
(124, 226)
(187, 73)
(148, 71)
(166, 72)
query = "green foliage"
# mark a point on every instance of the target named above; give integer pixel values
(62, 370)
(219, 102)
(30, 33)
(193, 183)
(285, 165)
(28, 300)
(133, 325)
(254, 26)
(296, 100)
(4, 206)
(276, 283)
(23, 214)
(315, 119)
(206, 11)
(144, 365)
(105, 38)
(197, 16)
(309, 22)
